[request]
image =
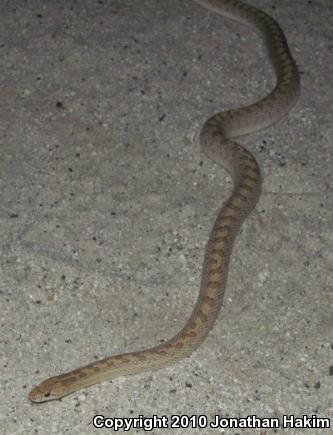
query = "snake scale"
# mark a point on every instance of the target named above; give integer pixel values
(216, 139)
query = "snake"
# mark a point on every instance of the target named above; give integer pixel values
(217, 140)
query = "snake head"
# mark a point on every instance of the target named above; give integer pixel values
(50, 389)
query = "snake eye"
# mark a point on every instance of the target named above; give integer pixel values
(47, 394)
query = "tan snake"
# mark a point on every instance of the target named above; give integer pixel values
(215, 139)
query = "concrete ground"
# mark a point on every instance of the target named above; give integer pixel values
(107, 204)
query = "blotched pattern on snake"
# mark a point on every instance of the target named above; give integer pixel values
(217, 142)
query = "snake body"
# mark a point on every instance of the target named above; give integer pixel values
(216, 140)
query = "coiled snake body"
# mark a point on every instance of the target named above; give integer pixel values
(216, 141)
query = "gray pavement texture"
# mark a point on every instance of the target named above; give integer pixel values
(107, 203)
